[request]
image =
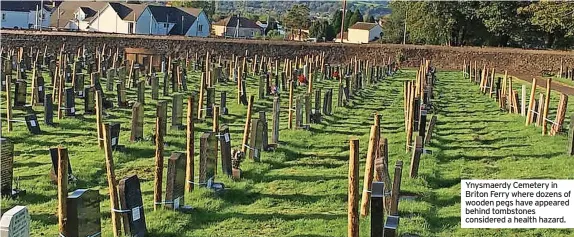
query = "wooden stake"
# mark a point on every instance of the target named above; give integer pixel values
(546, 105)
(247, 124)
(290, 118)
(395, 192)
(158, 164)
(531, 103)
(99, 118)
(112, 183)
(215, 126)
(62, 188)
(9, 101)
(353, 192)
(200, 101)
(189, 169)
(369, 167)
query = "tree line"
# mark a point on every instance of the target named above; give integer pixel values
(544, 24)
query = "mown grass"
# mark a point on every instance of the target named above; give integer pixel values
(301, 188)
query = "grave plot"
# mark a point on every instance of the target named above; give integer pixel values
(285, 149)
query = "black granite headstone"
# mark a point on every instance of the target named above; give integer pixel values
(70, 109)
(32, 124)
(89, 100)
(83, 212)
(131, 200)
(48, 110)
(175, 187)
(20, 93)
(225, 141)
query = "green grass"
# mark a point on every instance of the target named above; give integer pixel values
(301, 188)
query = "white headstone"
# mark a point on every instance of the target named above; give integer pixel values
(15, 222)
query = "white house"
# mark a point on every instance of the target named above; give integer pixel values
(164, 20)
(25, 14)
(72, 15)
(363, 32)
(116, 17)
(237, 27)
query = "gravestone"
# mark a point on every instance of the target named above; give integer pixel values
(316, 112)
(70, 109)
(89, 100)
(256, 139)
(261, 91)
(32, 123)
(79, 85)
(391, 226)
(223, 105)
(243, 97)
(137, 122)
(7, 165)
(48, 110)
(83, 212)
(377, 208)
(20, 94)
(131, 200)
(264, 130)
(177, 111)
(165, 84)
(276, 112)
(328, 102)
(161, 111)
(207, 158)
(225, 141)
(121, 93)
(175, 184)
(40, 90)
(154, 87)
(141, 92)
(111, 74)
(115, 135)
(54, 172)
(210, 102)
(298, 113)
(15, 222)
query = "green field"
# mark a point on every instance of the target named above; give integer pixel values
(301, 188)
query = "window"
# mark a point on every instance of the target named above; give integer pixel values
(131, 27)
(165, 25)
(3, 16)
(200, 28)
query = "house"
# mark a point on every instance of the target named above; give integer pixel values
(117, 17)
(263, 25)
(236, 27)
(363, 32)
(167, 20)
(72, 15)
(25, 14)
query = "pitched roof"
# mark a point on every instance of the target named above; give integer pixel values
(182, 17)
(67, 9)
(363, 26)
(22, 6)
(231, 21)
(128, 11)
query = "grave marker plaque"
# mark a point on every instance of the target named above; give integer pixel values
(137, 122)
(83, 213)
(131, 200)
(15, 222)
(115, 135)
(175, 186)
(225, 141)
(391, 226)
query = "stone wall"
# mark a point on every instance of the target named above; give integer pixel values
(517, 61)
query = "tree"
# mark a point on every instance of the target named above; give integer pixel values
(555, 19)
(355, 17)
(297, 18)
(336, 20)
(500, 19)
(322, 30)
(207, 6)
(369, 19)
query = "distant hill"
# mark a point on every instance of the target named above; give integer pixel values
(318, 8)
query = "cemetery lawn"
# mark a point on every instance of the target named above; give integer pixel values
(301, 188)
